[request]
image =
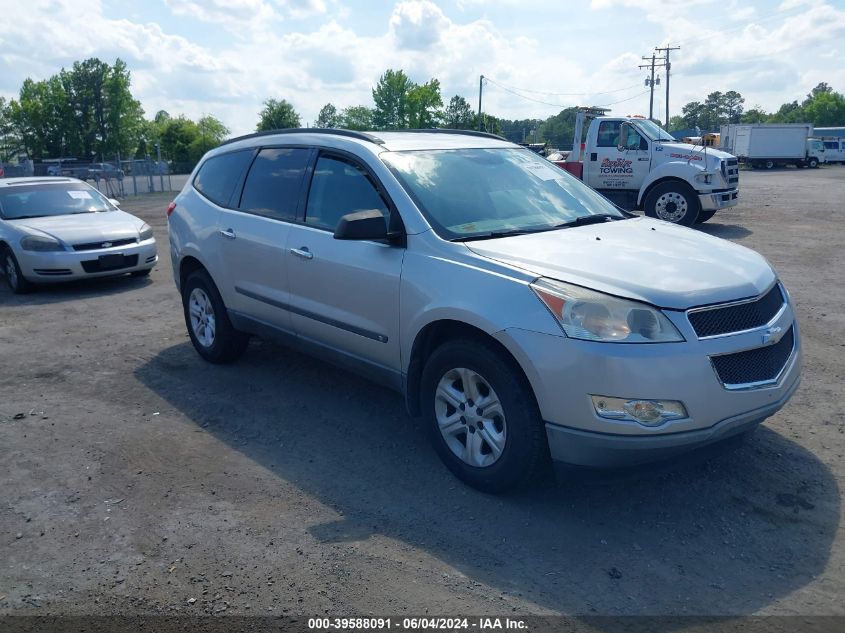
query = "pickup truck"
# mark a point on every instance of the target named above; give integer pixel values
(637, 165)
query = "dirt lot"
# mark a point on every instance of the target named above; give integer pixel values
(140, 479)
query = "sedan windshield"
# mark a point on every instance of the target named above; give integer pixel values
(478, 193)
(39, 200)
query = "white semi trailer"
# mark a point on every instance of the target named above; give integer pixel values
(768, 145)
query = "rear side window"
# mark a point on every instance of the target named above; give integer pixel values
(337, 188)
(219, 175)
(274, 181)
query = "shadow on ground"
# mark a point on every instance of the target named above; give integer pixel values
(726, 231)
(44, 294)
(726, 530)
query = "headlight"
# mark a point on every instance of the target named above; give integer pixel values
(146, 232)
(594, 316)
(41, 243)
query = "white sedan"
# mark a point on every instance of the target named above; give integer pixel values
(61, 229)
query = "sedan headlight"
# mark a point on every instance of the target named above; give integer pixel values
(146, 232)
(41, 243)
(594, 316)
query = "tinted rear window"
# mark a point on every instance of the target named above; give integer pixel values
(219, 175)
(274, 181)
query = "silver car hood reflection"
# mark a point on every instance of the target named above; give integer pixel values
(662, 264)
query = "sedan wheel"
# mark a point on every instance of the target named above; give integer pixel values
(12, 273)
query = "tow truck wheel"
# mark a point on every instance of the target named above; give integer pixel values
(703, 216)
(673, 201)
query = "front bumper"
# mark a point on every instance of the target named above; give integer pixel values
(564, 373)
(719, 200)
(48, 267)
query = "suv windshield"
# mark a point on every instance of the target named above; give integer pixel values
(466, 193)
(653, 131)
(39, 200)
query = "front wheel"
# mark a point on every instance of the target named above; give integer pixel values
(211, 332)
(482, 417)
(703, 216)
(813, 163)
(12, 271)
(673, 201)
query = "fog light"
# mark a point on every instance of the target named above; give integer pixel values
(644, 412)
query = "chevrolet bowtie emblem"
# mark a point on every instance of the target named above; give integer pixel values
(772, 335)
(106, 245)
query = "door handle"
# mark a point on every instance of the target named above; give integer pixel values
(228, 233)
(303, 252)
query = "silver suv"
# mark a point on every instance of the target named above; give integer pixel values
(520, 313)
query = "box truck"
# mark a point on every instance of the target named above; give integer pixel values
(768, 145)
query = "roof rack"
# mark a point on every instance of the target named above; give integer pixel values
(441, 130)
(315, 130)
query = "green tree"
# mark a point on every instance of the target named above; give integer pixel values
(826, 109)
(328, 116)
(390, 97)
(731, 107)
(789, 113)
(10, 144)
(459, 115)
(277, 115)
(210, 133)
(424, 103)
(178, 139)
(754, 115)
(356, 118)
(677, 122)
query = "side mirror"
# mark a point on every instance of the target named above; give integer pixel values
(115, 202)
(362, 225)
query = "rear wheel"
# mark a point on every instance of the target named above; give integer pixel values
(482, 417)
(673, 201)
(12, 271)
(211, 332)
(769, 164)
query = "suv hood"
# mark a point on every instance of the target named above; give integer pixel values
(662, 264)
(83, 227)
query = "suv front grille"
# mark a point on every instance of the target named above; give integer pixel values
(737, 317)
(760, 365)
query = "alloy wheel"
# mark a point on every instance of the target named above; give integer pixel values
(201, 312)
(470, 417)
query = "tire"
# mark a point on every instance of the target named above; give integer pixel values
(142, 273)
(812, 163)
(12, 272)
(703, 216)
(211, 332)
(510, 425)
(769, 164)
(673, 201)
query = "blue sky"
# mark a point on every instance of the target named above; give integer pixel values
(224, 57)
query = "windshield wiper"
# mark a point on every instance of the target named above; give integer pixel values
(598, 218)
(26, 217)
(494, 234)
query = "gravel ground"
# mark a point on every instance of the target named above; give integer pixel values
(138, 479)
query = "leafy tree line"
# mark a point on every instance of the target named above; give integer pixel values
(823, 107)
(88, 112)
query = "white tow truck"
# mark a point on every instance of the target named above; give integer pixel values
(639, 166)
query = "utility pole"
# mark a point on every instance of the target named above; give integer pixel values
(651, 82)
(480, 86)
(666, 50)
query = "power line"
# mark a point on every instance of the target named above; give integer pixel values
(561, 105)
(562, 94)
